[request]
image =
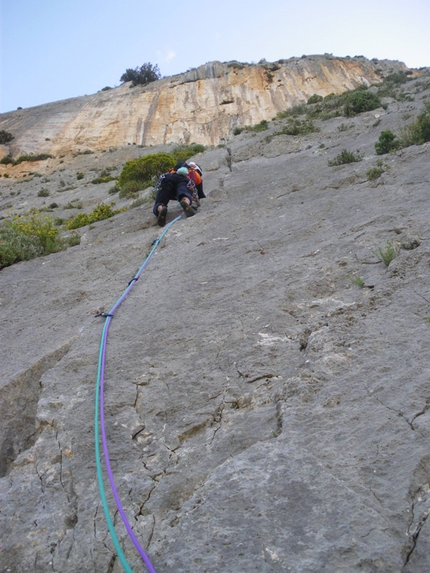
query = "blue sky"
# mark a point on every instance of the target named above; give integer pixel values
(56, 49)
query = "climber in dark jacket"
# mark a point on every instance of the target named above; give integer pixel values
(173, 186)
(195, 174)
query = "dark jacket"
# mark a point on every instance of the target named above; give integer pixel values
(171, 186)
(175, 184)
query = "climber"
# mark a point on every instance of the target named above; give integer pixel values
(196, 175)
(174, 185)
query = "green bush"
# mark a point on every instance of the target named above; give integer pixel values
(31, 157)
(141, 201)
(344, 127)
(105, 176)
(184, 152)
(114, 189)
(297, 127)
(386, 255)
(15, 247)
(99, 180)
(5, 137)
(37, 226)
(390, 87)
(143, 75)
(30, 236)
(79, 175)
(129, 189)
(374, 173)
(423, 124)
(348, 103)
(79, 220)
(333, 101)
(396, 78)
(358, 281)
(262, 126)
(294, 111)
(317, 107)
(141, 173)
(99, 213)
(387, 142)
(43, 193)
(146, 169)
(419, 132)
(315, 98)
(70, 205)
(344, 157)
(21, 158)
(72, 240)
(359, 101)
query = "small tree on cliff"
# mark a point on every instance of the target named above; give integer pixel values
(143, 75)
(5, 137)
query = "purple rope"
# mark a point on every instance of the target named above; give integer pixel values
(109, 316)
(142, 553)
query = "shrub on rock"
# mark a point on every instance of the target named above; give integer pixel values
(359, 101)
(144, 170)
(387, 142)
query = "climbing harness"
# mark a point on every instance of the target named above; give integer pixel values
(99, 413)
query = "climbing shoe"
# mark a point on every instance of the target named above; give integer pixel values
(188, 210)
(161, 220)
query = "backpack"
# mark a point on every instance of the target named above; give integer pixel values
(195, 168)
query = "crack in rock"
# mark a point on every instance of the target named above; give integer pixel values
(420, 510)
(420, 413)
(18, 407)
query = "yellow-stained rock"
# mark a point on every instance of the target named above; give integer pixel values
(203, 105)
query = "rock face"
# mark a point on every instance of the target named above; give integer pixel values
(263, 411)
(203, 105)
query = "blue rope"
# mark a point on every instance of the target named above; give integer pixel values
(99, 412)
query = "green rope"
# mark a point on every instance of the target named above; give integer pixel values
(99, 383)
(119, 551)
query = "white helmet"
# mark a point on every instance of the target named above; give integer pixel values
(195, 167)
